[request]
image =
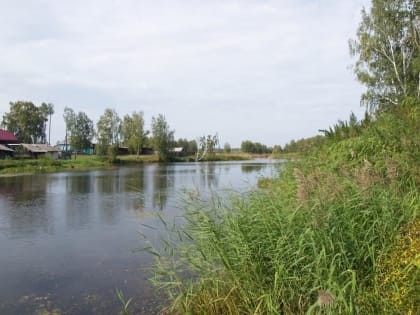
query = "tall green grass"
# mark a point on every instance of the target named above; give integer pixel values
(43, 165)
(336, 233)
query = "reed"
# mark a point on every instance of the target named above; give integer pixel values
(319, 239)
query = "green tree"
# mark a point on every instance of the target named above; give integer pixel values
(26, 121)
(227, 148)
(108, 130)
(388, 51)
(276, 149)
(70, 121)
(83, 132)
(133, 133)
(162, 136)
(48, 111)
(79, 129)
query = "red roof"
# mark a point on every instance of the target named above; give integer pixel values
(7, 136)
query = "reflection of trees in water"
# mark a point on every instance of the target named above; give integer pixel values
(26, 211)
(109, 185)
(208, 176)
(79, 212)
(134, 184)
(108, 182)
(163, 180)
(81, 184)
(251, 168)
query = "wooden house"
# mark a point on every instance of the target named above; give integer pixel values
(5, 151)
(36, 151)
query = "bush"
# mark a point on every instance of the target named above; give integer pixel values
(331, 235)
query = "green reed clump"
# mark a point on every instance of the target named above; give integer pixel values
(317, 240)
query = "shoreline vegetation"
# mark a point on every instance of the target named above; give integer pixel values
(10, 167)
(337, 232)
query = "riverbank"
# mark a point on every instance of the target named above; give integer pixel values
(336, 233)
(84, 162)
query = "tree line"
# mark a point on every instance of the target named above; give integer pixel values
(28, 122)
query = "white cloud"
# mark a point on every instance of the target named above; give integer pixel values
(267, 71)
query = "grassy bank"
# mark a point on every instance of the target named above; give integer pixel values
(44, 165)
(83, 162)
(336, 233)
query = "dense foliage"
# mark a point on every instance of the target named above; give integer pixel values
(388, 51)
(133, 132)
(338, 231)
(248, 146)
(27, 121)
(163, 137)
(79, 130)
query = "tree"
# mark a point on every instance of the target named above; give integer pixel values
(70, 121)
(276, 149)
(79, 129)
(206, 146)
(227, 148)
(254, 147)
(83, 132)
(26, 121)
(108, 130)
(48, 111)
(388, 51)
(162, 135)
(133, 133)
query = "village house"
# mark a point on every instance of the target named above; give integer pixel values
(35, 151)
(5, 152)
(6, 139)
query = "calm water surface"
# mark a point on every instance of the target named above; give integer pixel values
(68, 240)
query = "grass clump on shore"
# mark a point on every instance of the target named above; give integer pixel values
(45, 165)
(336, 233)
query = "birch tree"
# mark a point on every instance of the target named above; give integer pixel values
(388, 50)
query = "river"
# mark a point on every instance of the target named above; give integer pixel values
(68, 240)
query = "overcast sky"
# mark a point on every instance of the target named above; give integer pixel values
(266, 71)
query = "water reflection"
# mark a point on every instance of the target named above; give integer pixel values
(209, 177)
(163, 178)
(253, 168)
(72, 234)
(80, 184)
(24, 207)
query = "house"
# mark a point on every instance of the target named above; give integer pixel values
(122, 150)
(7, 137)
(178, 151)
(147, 151)
(36, 150)
(67, 147)
(5, 151)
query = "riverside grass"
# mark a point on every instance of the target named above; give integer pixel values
(45, 165)
(336, 233)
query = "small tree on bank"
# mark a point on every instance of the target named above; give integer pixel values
(108, 132)
(162, 137)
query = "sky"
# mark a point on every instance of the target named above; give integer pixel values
(265, 71)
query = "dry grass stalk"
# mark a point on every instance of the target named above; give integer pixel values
(391, 169)
(366, 176)
(302, 191)
(325, 298)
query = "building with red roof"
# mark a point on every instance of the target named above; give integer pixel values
(7, 137)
